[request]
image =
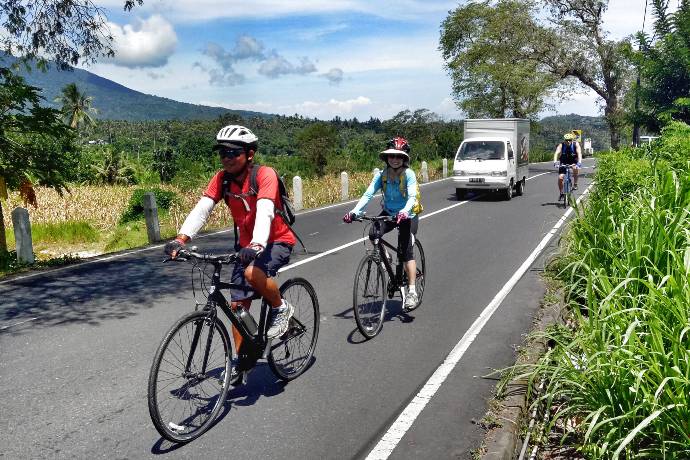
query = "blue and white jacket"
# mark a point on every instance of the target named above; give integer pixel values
(393, 200)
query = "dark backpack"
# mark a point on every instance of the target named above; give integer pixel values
(286, 212)
(568, 152)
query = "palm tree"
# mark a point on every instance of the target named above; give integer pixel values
(76, 106)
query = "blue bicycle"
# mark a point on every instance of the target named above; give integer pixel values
(567, 183)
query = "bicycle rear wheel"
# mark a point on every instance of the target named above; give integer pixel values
(184, 396)
(420, 279)
(369, 297)
(291, 354)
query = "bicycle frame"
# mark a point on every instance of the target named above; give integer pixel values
(395, 277)
(216, 299)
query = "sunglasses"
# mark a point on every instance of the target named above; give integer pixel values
(230, 152)
(396, 156)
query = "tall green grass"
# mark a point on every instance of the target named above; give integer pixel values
(69, 232)
(621, 376)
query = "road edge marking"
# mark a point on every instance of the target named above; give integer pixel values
(402, 424)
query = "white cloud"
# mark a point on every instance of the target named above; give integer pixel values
(316, 33)
(204, 10)
(147, 43)
(332, 107)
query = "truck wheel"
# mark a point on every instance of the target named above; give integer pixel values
(508, 192)
(460, 193)
(520, 188)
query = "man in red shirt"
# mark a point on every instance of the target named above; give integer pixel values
(266, 241)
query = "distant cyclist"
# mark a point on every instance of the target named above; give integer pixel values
(567, 154)
(397, 203)
(265, 241)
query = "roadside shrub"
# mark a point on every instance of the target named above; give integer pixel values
(673, 146)
(64, 232)
(621, 173)
(135, 207)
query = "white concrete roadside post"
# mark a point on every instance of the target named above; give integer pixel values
(445, 168)
(297, 193)
(22, 235)
(425, 172)
(344, 186)
(153, 229)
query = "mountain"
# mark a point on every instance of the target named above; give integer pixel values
(117, 102)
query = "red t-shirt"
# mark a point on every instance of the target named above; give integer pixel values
(267, 183)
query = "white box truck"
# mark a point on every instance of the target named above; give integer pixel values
(494, 156)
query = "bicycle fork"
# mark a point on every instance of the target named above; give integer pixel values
(199, 325)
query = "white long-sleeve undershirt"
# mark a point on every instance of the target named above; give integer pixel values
(198, 217)
(265, 212)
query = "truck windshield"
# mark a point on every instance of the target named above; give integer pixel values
(481, 150)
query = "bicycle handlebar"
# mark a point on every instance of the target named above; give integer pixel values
(186, 254)
(375, 218)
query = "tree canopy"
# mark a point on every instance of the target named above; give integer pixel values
(488, 50)
(34, 143)
(664, 63)
(505, 61)
(63, 31)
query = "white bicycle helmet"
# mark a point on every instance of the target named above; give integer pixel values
(232, 135)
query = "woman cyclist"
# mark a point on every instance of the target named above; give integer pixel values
(400, 200)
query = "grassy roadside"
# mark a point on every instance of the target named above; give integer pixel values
(617, 378)
(88, 221)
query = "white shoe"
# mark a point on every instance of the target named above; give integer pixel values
(411, 300)
(280, 320)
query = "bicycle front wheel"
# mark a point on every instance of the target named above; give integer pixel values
(292, 353)
(369, 297)
(420, 279)
(189, 378)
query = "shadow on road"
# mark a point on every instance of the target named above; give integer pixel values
(261, 382)
(393, 311)
(92, 293)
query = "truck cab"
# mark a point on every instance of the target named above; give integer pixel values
(494, 157)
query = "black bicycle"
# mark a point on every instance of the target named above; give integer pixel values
(372, 287)
(567, 184)
(193, 367)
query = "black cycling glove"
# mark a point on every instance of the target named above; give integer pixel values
(248, 254)
(171, 248)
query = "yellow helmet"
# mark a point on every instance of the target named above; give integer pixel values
(569, 137)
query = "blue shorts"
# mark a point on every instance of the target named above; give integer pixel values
(270, 260)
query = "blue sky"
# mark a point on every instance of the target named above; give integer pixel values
(350, 58)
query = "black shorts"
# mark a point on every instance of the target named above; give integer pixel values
(271, 259)
(561, 169)
(408, 227)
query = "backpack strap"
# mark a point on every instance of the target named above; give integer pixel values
(402, 185)
(254, 190)
(224, 189)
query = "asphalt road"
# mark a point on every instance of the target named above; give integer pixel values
(76, 344)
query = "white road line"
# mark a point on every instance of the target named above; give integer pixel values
(351, 243)
(17, 324)
(404, 421)
(287, 267)
(342, 203)
(100, 259)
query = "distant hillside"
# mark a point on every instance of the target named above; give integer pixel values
(551, 130)
(116, 102)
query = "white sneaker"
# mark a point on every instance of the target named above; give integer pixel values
(280, 320)
(410, 301)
